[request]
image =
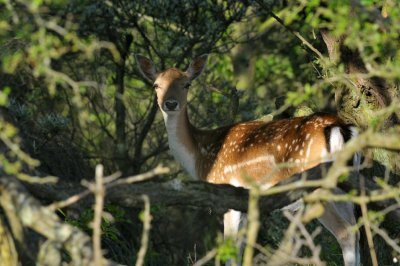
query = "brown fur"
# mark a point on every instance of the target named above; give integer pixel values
(241, 143)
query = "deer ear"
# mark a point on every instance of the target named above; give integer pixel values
(146, 67)
(197, 66)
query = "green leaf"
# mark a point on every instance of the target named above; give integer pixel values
(11, 62)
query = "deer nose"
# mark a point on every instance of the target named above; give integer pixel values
(171, 105)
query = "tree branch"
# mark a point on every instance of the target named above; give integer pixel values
(28, 212)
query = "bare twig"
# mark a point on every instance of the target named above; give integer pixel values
(367, 225)
(308, 238)
(252, 228)
(69, 201)
(209, 256)
(292, 243)
(146, 231)
(15, 148)
(159, 170)
(280, 256)
(386, 237)
(111, 182)
(295, 33)
(369, 138)
(99, 193)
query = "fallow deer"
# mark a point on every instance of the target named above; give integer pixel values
(249, 152)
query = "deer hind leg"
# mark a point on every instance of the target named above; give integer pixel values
(233, 222)
(339, 219)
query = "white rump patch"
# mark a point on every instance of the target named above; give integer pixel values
(337, 143)
(336, 140)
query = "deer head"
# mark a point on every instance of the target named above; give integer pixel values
(171, 85)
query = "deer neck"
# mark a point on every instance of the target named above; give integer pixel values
(181, 140)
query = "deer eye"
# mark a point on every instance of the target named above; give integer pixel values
(187, 86)
(155, 86)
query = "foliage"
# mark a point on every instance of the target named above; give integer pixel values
(113, 215)
(72, 96)
(227, 250)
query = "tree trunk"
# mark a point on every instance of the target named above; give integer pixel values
(120, 109)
